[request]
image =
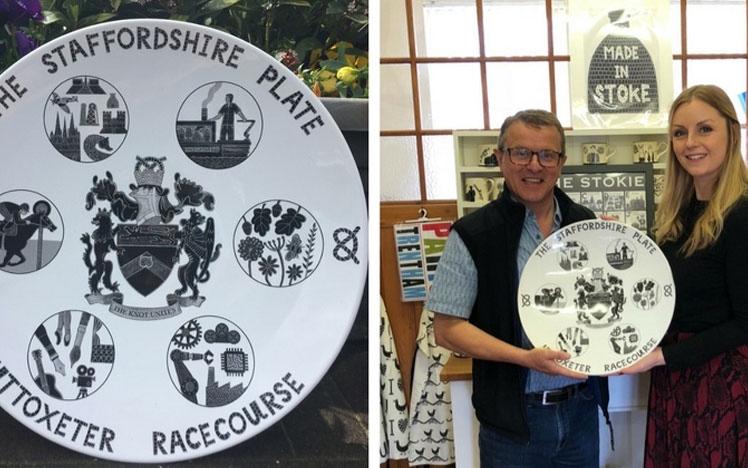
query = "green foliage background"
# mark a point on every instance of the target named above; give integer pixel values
(300, 32)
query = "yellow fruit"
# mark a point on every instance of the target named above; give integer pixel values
(348, 75)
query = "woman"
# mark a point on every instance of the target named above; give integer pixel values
(698, 402)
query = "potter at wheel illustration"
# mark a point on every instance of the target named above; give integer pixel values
(173, 249)
(601, 291)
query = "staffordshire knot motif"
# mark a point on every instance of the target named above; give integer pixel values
(147, 242)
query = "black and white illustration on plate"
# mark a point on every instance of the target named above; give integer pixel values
(620, 254)
(278, 243)
(346, 244)
(572, 256)
(211, 361)
(71, 355)
(573, 340)
(86, 119)
(599, 298)
(31, 231)
(646, 294)
(550, 299)
(624, 339)
(152, 236)
(219, 125)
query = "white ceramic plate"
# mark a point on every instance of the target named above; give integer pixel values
(601, 291)
(185, 241)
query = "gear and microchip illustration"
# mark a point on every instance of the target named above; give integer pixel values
(190, 361)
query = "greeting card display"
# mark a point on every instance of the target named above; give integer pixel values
(182, 226)
(601, 291)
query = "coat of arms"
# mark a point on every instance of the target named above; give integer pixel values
(600, 299)
(148, 245)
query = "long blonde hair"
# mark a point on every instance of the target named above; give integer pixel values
(731, 184)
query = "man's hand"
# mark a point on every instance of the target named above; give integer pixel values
(544, 360)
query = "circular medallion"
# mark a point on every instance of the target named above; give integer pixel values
(217, 240)
(601, 291)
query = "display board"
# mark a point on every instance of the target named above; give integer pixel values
(623, 193)
(183, 241)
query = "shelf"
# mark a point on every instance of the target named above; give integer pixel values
(615, 132)
(480, 169)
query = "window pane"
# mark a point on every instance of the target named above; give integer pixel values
(560, 28)
(563, 103)
(396, 110)
(675, 26)
(516, 86)
(515, 28)
(730, 75)
(461, 22)
(393, 29)
(398, 169)
(451, 96)
(677, 77)
(716, 26)
(439, 164)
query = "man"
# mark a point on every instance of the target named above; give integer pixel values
(12, 214)
(226, 114)
(532, 411)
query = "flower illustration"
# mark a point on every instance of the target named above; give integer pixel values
(268, 267)
(293, 249)
(250, 249)
(294, 273)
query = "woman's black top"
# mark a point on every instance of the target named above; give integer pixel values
(711, 290)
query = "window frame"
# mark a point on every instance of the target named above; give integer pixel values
(413, 60)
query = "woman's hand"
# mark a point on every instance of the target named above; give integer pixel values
(653, 359)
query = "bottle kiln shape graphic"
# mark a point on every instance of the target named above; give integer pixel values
(621, 72)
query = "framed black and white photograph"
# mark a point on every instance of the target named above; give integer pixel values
(623, 193)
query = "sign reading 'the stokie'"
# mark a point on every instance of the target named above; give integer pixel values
(182, 241)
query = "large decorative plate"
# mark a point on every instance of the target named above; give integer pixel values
(601, 291)
(183, 241)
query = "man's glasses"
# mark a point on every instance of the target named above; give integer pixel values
(523, 156)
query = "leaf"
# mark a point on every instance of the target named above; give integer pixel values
(332, 65)
(96, 19)
(334, 9)
(277, 209)
(301, 3)
(217, 5)
(289, 222)
(358, 18)
(246, 227)
(261, 220)
(73, 12)
(51, 17)
(307, 44)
